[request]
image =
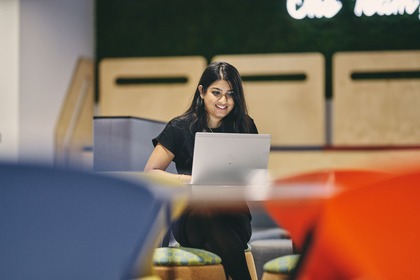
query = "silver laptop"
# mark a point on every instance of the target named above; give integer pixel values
(230, 159)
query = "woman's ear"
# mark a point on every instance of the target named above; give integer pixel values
(200, 89)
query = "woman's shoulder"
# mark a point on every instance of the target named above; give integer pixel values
(251, 125)
(175, 130)
(181, 122)
(249, 118)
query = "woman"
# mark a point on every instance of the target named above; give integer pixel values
(218, 106)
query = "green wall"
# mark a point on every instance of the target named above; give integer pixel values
(134, 28)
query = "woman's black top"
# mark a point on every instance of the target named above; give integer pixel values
(179, 138)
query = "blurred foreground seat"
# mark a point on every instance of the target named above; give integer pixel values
(61, 224)
(369, 232)
(301, 214)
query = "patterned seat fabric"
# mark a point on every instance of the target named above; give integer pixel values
(182, 256)
(283, 265)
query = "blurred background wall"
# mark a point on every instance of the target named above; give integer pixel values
(41, 41)
(132, 28)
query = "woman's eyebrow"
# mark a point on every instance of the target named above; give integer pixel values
(216, 88)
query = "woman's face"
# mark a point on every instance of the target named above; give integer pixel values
(218, 101)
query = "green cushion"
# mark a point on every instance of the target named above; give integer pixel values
(180, 256)
(283, 265)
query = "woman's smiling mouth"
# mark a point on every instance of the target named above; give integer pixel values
(221, 107)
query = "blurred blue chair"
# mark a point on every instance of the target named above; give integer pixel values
(62, 224)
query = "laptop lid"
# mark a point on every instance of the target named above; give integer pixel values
(230, 158)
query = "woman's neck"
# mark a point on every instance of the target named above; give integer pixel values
(212, 123)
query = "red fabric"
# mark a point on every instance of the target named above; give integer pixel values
(299, 216)
(368, 233)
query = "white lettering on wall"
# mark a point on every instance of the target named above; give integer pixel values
(300, 9)
(386, 7)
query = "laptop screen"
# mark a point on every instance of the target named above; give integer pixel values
(230, 158)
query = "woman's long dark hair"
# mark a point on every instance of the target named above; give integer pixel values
(237, 120)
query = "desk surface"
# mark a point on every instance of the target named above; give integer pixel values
(226, 194)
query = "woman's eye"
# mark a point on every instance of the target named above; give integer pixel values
(216, 93)
(230, 94)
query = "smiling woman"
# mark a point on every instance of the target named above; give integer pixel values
(218, 105)
(218, 101)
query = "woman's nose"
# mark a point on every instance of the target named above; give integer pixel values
(223, 99)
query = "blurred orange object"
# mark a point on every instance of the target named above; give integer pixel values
(367, 233)
(299, 216)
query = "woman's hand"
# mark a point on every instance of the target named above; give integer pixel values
(186, 179)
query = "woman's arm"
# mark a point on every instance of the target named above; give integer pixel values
(159, 160)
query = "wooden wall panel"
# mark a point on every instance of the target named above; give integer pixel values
(292, 111)
(376, 111)
(160, 101)
(282, 163)
(74, 128)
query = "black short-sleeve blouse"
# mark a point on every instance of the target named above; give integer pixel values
(178, 138)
